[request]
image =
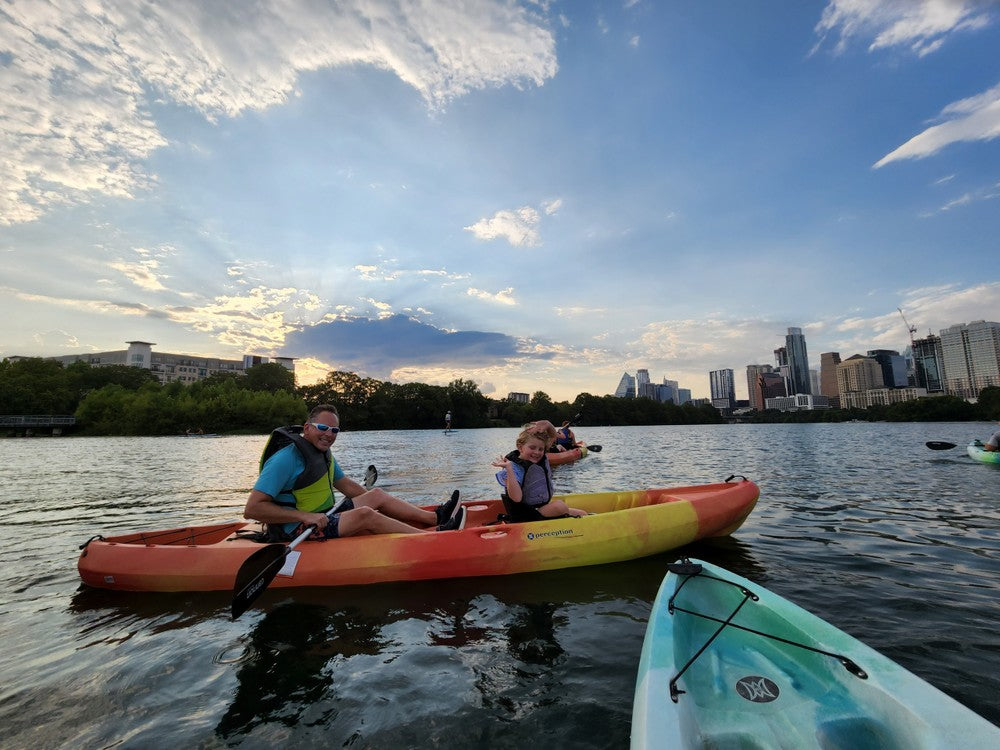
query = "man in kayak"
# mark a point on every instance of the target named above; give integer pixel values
(565, 439)
(296, 485)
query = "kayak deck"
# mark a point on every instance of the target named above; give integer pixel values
(728, 664)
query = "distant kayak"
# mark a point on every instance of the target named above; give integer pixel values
(728, 664)
(567, 457)
(977, 452)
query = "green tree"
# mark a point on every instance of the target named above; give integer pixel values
(989, 402)
(468, 405)
(270, 377)
(35, 386)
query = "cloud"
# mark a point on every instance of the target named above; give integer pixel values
(517, 227)
(377, 348)
(920, 25)
(142, 274)
(976, 118)
(503, 297)
(80, 79)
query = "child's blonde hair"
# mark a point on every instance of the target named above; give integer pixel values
(533, 432)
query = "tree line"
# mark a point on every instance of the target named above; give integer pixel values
(123, 400)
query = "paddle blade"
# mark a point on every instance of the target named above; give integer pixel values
(255, 575)
(595, 448)
(940, 445)
(371, 476)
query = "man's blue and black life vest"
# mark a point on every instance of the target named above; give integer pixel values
(313, 489)
(563, 438)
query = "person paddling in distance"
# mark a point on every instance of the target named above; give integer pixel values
(298, 476)
(526, 477)
(993, 444)
(565, 439)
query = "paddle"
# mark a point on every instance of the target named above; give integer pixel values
(591, 448)
(939, 445)
(258, 570)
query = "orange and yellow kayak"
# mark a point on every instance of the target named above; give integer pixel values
(624, 525)
(567, 457)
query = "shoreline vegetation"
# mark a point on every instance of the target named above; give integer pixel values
(126, 401)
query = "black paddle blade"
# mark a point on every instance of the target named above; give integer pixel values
(255, 575)
(939, 445)
(371, 476)
(595, 448)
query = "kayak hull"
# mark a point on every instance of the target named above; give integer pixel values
(625, 525)
(750, 691)
(987, 457)
(567, 457)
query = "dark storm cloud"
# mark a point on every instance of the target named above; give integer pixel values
(376, 347)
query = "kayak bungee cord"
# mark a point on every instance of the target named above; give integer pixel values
(692, 570)
(183, 536)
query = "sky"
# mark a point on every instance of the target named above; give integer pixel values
(535, 195)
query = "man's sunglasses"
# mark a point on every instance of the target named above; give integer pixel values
(324, 427)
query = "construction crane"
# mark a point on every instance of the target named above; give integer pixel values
(911, 329)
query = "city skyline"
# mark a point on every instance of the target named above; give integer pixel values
(533, 196)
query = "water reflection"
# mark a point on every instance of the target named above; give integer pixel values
(295, 653)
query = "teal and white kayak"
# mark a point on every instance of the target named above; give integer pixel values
(977, 452)
(728, 664)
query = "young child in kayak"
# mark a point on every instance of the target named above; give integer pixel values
(526, 477)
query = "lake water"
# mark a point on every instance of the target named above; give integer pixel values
(859, 523)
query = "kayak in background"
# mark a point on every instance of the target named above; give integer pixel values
(728, 664)
(979, 453)
(558, 458)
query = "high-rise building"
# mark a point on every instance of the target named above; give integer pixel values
(683, 395)
(828, 362)
(768, 385)
(893, 367)
(626, 387)
(858, 373)
(798, 361)
(971, 357)
(723, 388)
(752, 372)
(927, 359)
(668, 391)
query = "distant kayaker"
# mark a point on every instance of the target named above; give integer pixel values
(526, 477)
(565, 439)
(993, 444)
(447, 420)
(296, 483)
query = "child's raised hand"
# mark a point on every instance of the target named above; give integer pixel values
(502, 463)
